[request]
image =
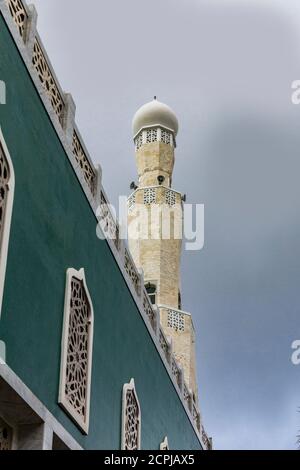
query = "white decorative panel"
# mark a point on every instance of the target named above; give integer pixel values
(164, 344)
(148, 309)
(107, 222)
(139, 141)
(86, 167)
(47, 80)
(166, 137)
(131, 418)
(151, 136)
(155, 134)
(165, 444)
(176, 320)
(170, 197)
(132, 271)
(18, 12)
(77, 349)
(150, 196)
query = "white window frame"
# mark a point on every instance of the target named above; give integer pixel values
(4, 242)
(130, 387)
(164, 444)
(83, 423)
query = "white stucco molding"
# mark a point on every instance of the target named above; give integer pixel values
(28, 398)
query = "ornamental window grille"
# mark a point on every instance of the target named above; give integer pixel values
(7, 185)
(131, 418)
(150, 196)
(139, 141)
(151, 136)
(164, 444)
(85, 165)
(19, 14)
(6, 436)
(77, 343)
(170, 197)
(166, 137)
(176, 320)
(47, 80)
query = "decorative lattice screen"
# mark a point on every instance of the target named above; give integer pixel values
(47, 80)
(150, 196)
(176, 320)
(18, 12)
(170, 197)
(151, 136)
(166, 137)
(77, 349)
(131, 433)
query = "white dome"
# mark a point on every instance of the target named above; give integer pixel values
(152, 114)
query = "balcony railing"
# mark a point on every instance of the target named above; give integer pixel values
(19, 14)
(132, 271)
(108, 223)
(149, 311)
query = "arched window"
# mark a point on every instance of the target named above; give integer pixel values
(77, 345)
(131, 418)
(151, 291)
(165, 444)
(7, 187)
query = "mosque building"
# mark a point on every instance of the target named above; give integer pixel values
(96, 351)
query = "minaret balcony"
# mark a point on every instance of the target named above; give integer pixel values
(154, 134)
(154, 195)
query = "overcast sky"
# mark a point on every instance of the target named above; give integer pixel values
(226, 68)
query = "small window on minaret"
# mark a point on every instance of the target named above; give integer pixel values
(179, 300)
(151, 291)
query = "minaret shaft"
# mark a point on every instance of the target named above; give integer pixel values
(155, 223)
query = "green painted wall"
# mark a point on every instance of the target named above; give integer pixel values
(53, 228)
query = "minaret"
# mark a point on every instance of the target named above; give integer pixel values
(155, 220)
